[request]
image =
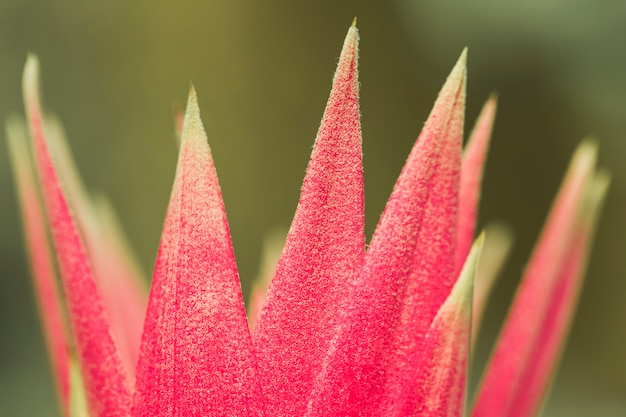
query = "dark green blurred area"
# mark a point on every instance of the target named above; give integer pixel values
(115, 71)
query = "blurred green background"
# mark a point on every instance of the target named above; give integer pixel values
(114, 71)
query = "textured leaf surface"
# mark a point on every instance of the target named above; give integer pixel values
(323, 252)
(196, 355)
(105, 379)
(119, 280)
(439, 389)
(431, 274)
(407, 274)
(522, 335)
(472, 169)
(41, 259)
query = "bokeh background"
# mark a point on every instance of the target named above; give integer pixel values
(114, 71)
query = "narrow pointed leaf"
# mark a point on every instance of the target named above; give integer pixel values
(472, 168)
(196, 355)
(439, 388)
(105, 379)
(407, 274)
(432, 273)
(43, 270)
(522, 332)
(537, 378)
(120, 282)
(323, 253)
(498, 243)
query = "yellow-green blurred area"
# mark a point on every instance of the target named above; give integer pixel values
(116, 71)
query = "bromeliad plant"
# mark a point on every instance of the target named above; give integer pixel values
(345, 329)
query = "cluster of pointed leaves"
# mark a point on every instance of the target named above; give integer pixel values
(343, 330)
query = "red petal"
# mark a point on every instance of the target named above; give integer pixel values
(105, 379)
(407, 275)
(522, 334)
(471, 177)
(196, 355)
(439, 389)
(323, 253)
(43, 270)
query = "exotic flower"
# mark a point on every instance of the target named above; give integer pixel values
(345, 329)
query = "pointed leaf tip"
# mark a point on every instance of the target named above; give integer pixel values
(536, 381)
(193, 128)
(439, 388)
(407, 275)
(105, 378)
(523, 358)
(196, 353)
(460, 68)
(323, 253)
(585, 156)
(497, 246)
(192, 99)
(349, 51)
(30, 78)
(428, 188)
(472, 168)
(462, 291)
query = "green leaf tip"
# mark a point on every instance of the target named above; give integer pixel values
(585, 155)
(460, 68)
(462, 291)
(193, 129)
(30, 80)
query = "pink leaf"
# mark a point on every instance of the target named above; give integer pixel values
(523, 332)
(44, 274)
(105, 379)
(119, 280)
(323, 253)
(535, 382)
(196, 355)
(407, 274)
(439, 388)
(472, 168)
(432, 272)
